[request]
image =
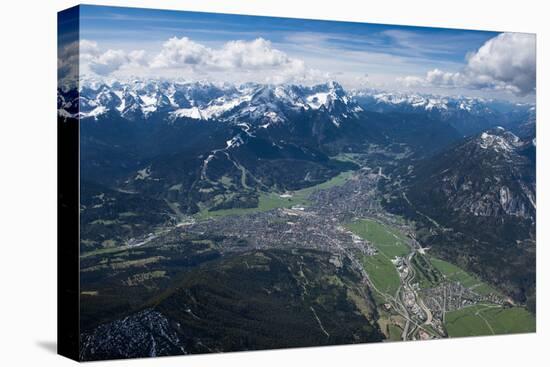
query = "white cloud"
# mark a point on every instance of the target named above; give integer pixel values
(109, 61)
(239, 57)
(257, 54)
(112, 60)
(87, 47)
(239, 61)
(67, 62)
(177, 52)
(137, 57)
(505, 62)
(442, 78)
(88, 55)
(508, 61)
(412, 81)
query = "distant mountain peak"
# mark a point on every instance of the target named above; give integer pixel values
(499, 140)
(258, 104)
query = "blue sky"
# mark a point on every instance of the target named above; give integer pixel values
(226, 48)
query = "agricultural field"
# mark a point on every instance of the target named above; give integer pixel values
(382, 273)
(389, 244)
(489, 320)
(391, 326)
(426, 273)
(456, 274)
(388, 241)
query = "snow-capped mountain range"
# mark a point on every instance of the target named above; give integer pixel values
(414, 102)
(421, 102)
(468, 115)
(263, 104)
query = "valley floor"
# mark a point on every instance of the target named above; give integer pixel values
(414, 295)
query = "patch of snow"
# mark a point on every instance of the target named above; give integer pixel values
(234, 142)
(192, 112)
(317, 100)
(122, 105)
(149, 104)
(273, 116)
(143, 174)
(222, 105)
(64, 113)
(148, 100)
(99, 110)
(464, 106)
(499, 143)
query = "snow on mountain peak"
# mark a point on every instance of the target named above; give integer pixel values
(500, 140)
(260, 103)
(412, 102)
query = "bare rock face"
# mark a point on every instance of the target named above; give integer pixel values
(488, 176)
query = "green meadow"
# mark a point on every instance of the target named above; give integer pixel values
(489, 320)
(272, 200)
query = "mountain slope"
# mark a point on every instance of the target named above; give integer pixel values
(291, 299)
(475, 205)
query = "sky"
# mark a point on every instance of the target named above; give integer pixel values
(127, 42)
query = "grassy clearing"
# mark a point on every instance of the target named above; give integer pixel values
(89, 293)
(395, 333)
(391, 326)
(128, 214)
(456, 274)
(426, 274)
(489, 320)
(271, 200)
(390, 330)
(388, 241)
(136, 263)
(104, 251)
(349, 157)
(382, 273)
(423, 281)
